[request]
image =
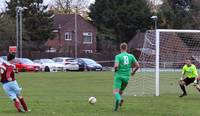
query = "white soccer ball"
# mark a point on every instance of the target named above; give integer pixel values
(92, 100)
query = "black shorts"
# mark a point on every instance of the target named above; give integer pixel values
(188, 81)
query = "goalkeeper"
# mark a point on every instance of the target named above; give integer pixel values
(189, 76)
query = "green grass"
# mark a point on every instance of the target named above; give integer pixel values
(66, 94)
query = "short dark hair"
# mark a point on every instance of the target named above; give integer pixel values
(10, 56)
(124, 46)
(188, 58)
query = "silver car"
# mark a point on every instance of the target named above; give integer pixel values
(47, 65)
(70, 63)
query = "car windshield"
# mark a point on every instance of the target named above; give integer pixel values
(79, 61)
(70, 59)
(26, 61)
(89, 61)
(48, 61)
(36, 61)
(2, 60)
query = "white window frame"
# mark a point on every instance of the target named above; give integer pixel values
(88, 34)
(88, 51)
(69, 35)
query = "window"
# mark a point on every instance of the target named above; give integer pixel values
(59, 60)
(87, 51)
(87, 37)
(68, 36)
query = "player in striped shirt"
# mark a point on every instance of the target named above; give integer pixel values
(10, 85)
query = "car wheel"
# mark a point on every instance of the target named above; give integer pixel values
(23, 70)
(46, 69)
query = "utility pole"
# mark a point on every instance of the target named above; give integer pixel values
(17, 31)
(59, 35)
(155, 18)
(20, 35)
(76, 34)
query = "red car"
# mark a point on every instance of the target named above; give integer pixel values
(26, 65)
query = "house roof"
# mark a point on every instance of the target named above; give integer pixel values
(137, 41)
(67, 19)
(62, 19)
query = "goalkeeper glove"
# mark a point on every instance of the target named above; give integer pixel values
(195, 82)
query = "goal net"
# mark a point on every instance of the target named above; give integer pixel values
(161, 60)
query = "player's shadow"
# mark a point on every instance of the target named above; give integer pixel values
(9, 111)
(191, 98)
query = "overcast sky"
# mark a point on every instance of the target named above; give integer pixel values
(3, 5)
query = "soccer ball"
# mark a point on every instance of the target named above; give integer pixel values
(92, 100)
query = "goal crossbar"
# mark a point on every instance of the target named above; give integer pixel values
(178, 31)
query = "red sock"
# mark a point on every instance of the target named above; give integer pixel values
(17, 106)
(120, 92)
(23, 103)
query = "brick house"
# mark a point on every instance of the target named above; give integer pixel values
(64, 41)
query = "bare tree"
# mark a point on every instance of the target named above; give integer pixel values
(154, 5)
(69, 6)
(61, 7)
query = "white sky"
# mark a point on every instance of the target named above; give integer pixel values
(3, 5)
(50, 1)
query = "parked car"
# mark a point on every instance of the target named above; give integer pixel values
(49, 65)
(91, 65)
(81, 64)
(3, 61)
(63, 60)
(26, 65)
(70, 63)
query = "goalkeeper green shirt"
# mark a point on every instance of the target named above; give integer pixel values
(190, 71)
(125, 61)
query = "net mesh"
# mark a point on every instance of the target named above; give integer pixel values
(174, 48)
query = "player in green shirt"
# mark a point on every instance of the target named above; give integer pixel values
(189, 75)
(124, 62)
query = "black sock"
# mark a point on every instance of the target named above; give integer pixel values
(183, 89)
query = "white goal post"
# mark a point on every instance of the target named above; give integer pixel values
(162, 57)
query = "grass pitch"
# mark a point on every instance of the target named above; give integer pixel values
(66, 94)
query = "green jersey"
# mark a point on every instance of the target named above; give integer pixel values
(125, 61)
(190, 71)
